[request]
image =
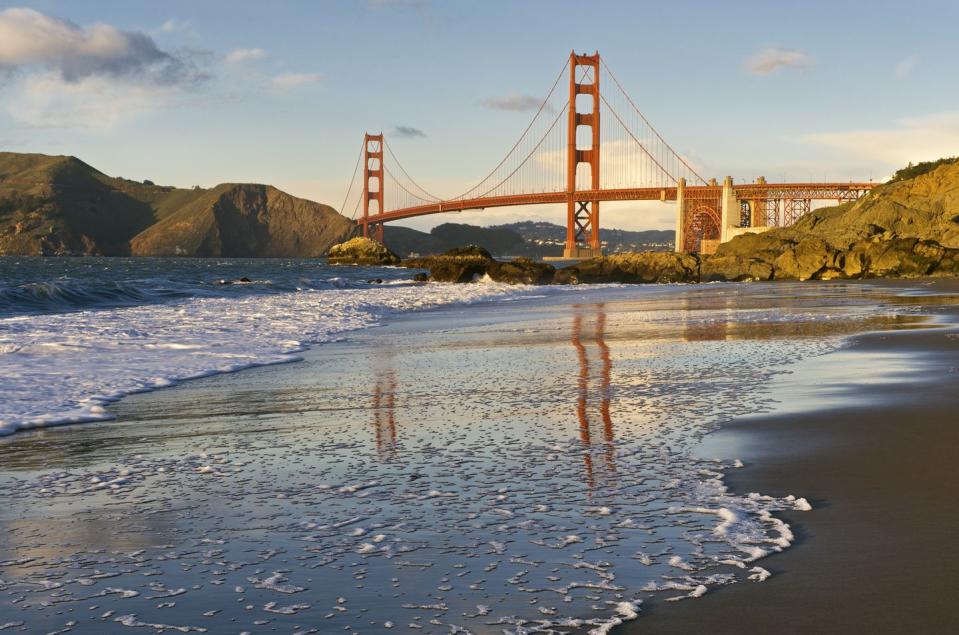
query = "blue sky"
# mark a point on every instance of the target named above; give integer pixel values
(202, 92)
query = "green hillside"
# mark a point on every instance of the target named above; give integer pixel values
(59, 205)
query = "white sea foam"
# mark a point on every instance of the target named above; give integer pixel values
(64, 368)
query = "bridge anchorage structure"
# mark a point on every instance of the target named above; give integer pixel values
(583, 163)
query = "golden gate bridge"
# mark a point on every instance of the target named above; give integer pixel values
(565, 156)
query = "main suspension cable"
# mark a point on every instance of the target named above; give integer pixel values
(531, 152)
(415, 184)
(521, 137)
(646, 121)
(640, 143)
(356, 168)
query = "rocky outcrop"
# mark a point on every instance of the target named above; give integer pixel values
(361, 251)
(462, 264)
(632, 268)
(521, 271)
(471, 263)
(734, 268)
(905, 228)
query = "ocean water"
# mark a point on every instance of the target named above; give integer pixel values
(490, 460)
(77, 334)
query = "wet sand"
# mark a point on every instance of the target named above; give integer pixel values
(580, 403)
(879, 462)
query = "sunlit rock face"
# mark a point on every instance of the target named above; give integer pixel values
(905, 228)
(361, 251)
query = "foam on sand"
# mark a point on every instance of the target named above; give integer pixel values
(63, 368)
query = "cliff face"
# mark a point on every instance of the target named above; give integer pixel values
(245, 220)
(62, 206)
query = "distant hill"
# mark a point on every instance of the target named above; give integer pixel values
(552, 237)
(244, 220)
(59, 205)
(528, 238)
(498, 241)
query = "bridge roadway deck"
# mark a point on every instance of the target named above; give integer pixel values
(750, 191)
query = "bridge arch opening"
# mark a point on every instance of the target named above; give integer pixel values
(703, 223)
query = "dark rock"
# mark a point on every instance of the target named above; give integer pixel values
(632, 268)
(361, 251)
(457, 269)
(421, 277)
(463, 264)
(521, 271)
(469, 251)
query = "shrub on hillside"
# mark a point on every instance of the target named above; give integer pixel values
(912, 171)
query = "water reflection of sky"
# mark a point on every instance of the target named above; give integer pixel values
(527, 470)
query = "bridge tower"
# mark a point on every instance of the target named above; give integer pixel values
(582, 216)
(372, 170)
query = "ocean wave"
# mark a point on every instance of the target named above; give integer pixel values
(31, 286)
(62, 368)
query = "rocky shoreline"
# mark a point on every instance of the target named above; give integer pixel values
(746, 259)
(906, 228)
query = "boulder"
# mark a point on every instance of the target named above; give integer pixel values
(361, 251)
(809, 258)
(643, 267)
(899, 257)
(521, 271)
(462, 264)
(468, 251)
(446, 269)
(733, 269)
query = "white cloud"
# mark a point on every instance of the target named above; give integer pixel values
(922, 138)
(238, 56)
(408, 132)
(905, 67)
(48, 101)
(620, 161)
(292, 80)
(173, 25)
(773, 58)
(58, 74)
(514, 103)
(31, 41)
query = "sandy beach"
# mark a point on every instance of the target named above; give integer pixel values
(555, 464)
(876, 462)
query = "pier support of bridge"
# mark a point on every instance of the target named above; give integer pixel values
(582, 217)
(731, 224)
(680, 214)
(372, 173)
(731, 213)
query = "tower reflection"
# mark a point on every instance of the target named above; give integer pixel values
(384, 403)
(584, 404)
